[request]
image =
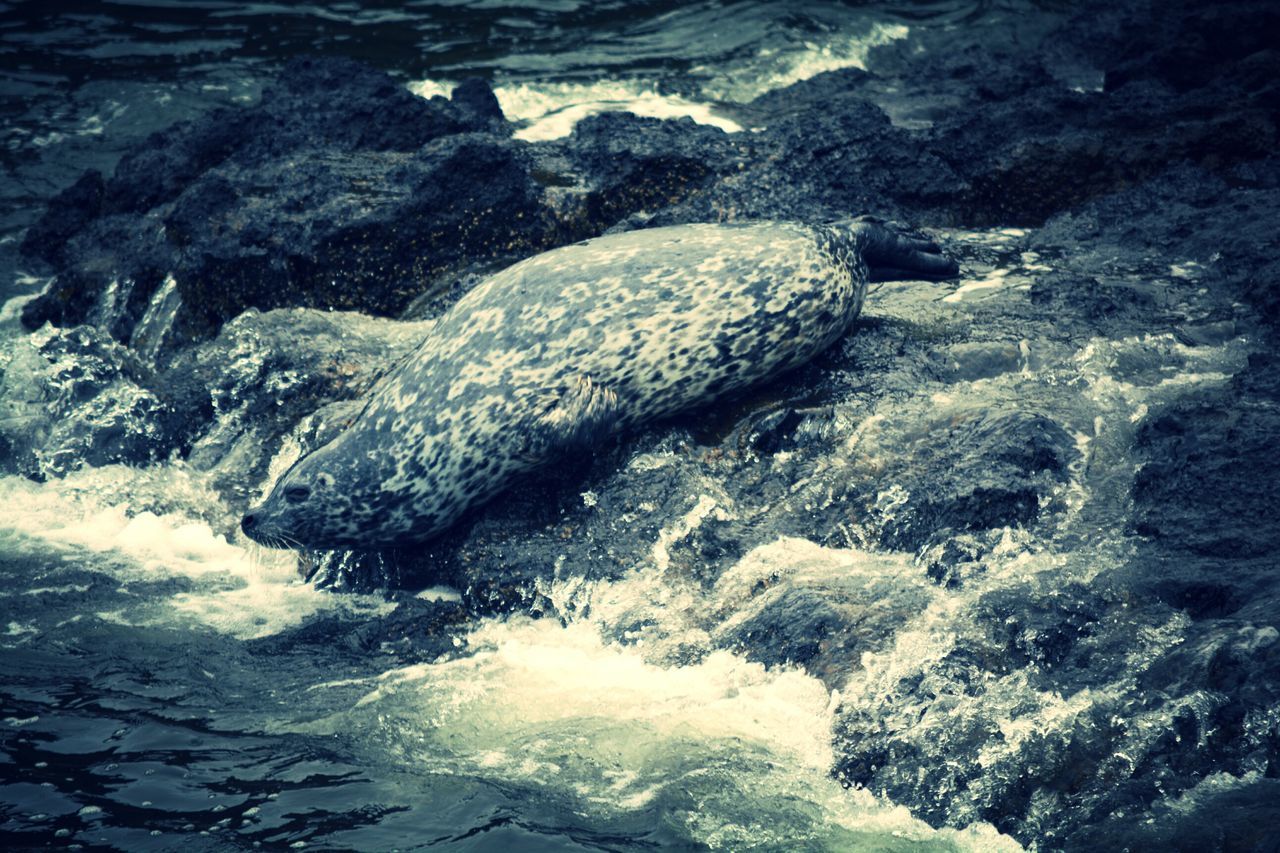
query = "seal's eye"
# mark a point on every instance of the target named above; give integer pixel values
(296, 494)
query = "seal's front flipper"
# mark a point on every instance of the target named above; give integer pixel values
(575, 418)
(890, 255)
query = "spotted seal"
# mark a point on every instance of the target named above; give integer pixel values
(560, 350)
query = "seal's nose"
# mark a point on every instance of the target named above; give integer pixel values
(247, 523)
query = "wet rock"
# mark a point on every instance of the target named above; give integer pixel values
(844, 160)
(417, 630)
(339, 189)
(333, 104)
(1189, 45)
(66, 214)
(74, 397)
(951, 558)
(616, 165)
(793, 602)
(1210, 231)
(375, 192)
(475, 97)
(972, 360)
(1084, 741)
(987, 473)
(794, 628)
(602, 515)
(1204, 495)
(368, 233)
(775, 430)
(1047, 635)
(984, 132)
(242, 392)
(1224, 812)
(108, 275)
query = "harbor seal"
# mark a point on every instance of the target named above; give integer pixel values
(557, 352)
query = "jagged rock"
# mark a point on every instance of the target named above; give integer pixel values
(243, 391)
(331, 104)
(371, 232)
(339, 189)
(74, 397)
(989, 472)
(617, 165)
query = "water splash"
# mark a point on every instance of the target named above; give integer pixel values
(161, 524)
(731, 755)
(153, 329)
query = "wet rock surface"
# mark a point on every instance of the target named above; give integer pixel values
(1023, 523)
(246, 390)
(74, 397)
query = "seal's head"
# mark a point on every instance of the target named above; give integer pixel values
(328, 499)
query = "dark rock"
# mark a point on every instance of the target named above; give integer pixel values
(1189, 45)
(73, 397)
(790, 601)
(773, 432)
(368, 233)
(475, 97)
(417, 630)
(793, 629)
(616, 165)
(1048, 634)
(1204, 496)
(168, 162)
(989, 472)
(841, 161)
(1208, 230)
(67, 213)
(985, 134)
(242, 392)
(329, 192)
(114, 267)
(331, 104)
(951, 558)
(1225, 813)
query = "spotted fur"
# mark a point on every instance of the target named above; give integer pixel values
(557, 352)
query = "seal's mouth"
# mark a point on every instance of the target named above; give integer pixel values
(255, 526)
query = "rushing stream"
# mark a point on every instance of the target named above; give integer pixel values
(166, 684)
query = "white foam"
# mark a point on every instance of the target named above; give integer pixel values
(157, 523)
(683, 526)
(11, 311)
(550, 110)
(556, 706)
(776, 69)
(439, 593)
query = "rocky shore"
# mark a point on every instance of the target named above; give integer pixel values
(241, 278)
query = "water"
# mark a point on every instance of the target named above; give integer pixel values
(146, 701)
(166, 684)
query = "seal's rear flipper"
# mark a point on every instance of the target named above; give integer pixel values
(890, 256)
(572, 420)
